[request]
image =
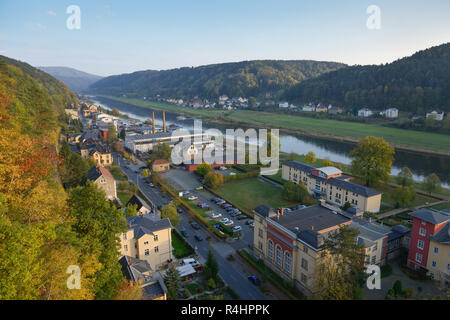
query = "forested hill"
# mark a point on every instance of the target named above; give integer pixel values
(57, 90)
(246, 79)
(76, 80)
(415, 84)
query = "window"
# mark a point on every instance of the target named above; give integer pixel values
(375, 247)
(304, 278)
(431, 275)
(146, 242)
(305, 249)
(260, 233)
(422, 232)
(125, 248)
(124, 236)
(436, 250)
(418, 257)
(424, 222)
(279, 254)
(270, 249)
(147, 252)
(287, 261)
(260, 245)
(304, 264)
(155, 238)
(420, 244)
(156, 249)
(374, 259)
(433, 263)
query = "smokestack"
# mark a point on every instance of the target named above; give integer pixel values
(153, 123)
(164, 121)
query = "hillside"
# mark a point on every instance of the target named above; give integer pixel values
(248, 78)
(414, 84)
(76, 80)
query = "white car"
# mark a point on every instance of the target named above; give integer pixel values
(237, 228)
(224, 220)
(215, 215)
(229, 223)
(192, 198)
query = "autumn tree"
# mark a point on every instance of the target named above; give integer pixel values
(405, 177)
(203, 169)
(432, 183)
(310, 157)
(170, 211)
(128, 290)
(372, 160)
(214, 180)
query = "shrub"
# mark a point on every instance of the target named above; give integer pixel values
(397, 288)
(408, 293)
(211, 283)
(390, 295)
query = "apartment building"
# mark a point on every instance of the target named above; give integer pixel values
(291, 244)
(148, 238)
(330, 184)
(429, 247)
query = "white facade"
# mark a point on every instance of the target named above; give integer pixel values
(283, 105)
(365, 113)
(391, 113)
(437, 115)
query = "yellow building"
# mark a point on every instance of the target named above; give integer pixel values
(101, 156)
(330, 184)
(148, 238)
(438, 263)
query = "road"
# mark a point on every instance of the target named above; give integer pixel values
(232, 273)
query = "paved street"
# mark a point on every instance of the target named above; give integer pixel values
(231, 272)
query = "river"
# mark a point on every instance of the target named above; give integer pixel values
(419, 163)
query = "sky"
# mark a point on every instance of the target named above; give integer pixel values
(119, 36)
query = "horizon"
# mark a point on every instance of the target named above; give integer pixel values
(115, 38)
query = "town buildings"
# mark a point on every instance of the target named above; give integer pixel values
(142, 207)
(160, 165)
(391, 113)
(330, 184)
(436, 114)
(149, 238)
(104, 181)
(365, 113)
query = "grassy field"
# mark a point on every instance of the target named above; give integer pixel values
(311, 126)
(250, 193)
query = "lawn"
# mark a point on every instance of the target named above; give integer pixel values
(249, 193)
(441, 206)
(181, 247)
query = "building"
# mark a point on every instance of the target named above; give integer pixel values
(335, 110)
(427, 240)
(391, 113)
(365, 113)
(374, 238)
(148, 238)
(142, 207)
(101, 155)
(330, 184)
(321, 108)
(291, 244)
(146, 142)
(436, 114)
(140, 272)
(398, 241)
(72, 113)
(160, 165)
(283, 105)
(104, 180)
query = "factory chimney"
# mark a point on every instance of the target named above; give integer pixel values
(164, 121)
(153, 123)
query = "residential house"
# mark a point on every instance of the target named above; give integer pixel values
(160, 165)
(391, 113)
(72, 113)
(101, 155)
(140, 272)
(321, 108)
(335, 110)
(365, 113)
(436, 114)
(438, 264)
(104, 180)
(223, 99)
(330, 184)
(426, 236)
(291, 244)
(149, 238)
(142, 207)
(309, 108)
(283, 105)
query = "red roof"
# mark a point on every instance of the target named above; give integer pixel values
(160, 161)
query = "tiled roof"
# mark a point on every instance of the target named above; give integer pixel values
(443, 235)
(432, 216)
(136, 200)
(160, 161)
(147, 224)
(96, 171)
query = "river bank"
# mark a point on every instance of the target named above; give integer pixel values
(333, 130)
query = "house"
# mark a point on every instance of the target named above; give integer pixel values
(148, 238)
(160, 165)
(436, 114)
(74, 138)
(104, 180)
(330, 184)
(335, 110)
(283, 105)
(391, 113)
(140, 272)
(429, 246)
(374, 238)
(309, 108)
(101, 155)
(321, 108)
(142, 207)
(223, 99)
(365, 113)
(291, 244)
(72, 113)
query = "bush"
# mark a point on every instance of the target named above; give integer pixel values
(408, 293)
(398, 290)
(211, 283)
(187, 294)
(390, 295)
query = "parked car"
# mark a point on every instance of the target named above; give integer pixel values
(220, 202)
(234, 211)
(216, 215)
(215, 199)
(242, 217)
(255, 280)
(229, 209)
(198, 237)
(203, 205)
(237, 228)
(184, 233)
(199, 188)
(186, 192)
(252, 224)
(224, 220)
(195, 225)
(300, 206)
(235, 214)
(229, 223)
(226, 205)
(191, 198)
